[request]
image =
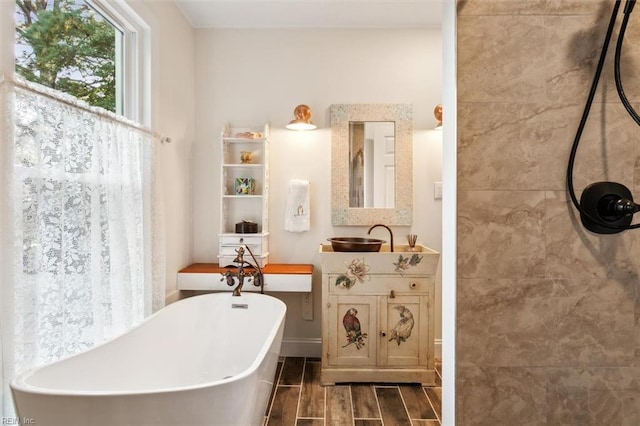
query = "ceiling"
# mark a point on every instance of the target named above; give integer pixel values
(312, 13)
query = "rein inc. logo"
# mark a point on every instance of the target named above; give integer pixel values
(17, 421)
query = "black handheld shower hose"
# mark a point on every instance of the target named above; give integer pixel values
(605, 207)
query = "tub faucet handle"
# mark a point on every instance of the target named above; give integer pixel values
(257, 275)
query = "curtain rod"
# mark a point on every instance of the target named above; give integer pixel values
(77, 103)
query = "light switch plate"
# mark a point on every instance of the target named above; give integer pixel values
(437, 190)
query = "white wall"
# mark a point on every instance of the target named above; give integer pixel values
(173, 115)
(249, 77)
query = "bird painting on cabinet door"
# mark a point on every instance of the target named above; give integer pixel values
(402, 330)
(352, 327)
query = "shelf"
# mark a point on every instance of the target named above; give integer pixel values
(243, 140)
(233, 196)
(278, 277)
(244, 190)
(243, 166)
(239, 235)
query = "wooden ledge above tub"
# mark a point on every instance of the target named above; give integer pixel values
(286, 277)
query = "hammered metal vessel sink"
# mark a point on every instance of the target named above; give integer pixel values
(355, 244)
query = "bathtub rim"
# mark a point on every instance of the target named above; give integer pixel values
(19, 383)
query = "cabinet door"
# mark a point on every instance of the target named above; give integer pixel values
(404, 335)
(352, 330)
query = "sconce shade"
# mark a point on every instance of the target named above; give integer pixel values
(437, 113)
(301, 119)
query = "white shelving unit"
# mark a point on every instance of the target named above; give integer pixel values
(244, 192)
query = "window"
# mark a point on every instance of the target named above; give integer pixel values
(91, 49)
(68, 46)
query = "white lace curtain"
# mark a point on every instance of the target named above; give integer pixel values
(81, 261)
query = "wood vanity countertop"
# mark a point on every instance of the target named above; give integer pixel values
(271, 268)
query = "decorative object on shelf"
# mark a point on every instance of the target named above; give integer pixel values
(246, 157)
(437, 113)
(245, 186)
(301, 119)
(249, 135)
(246, 227)
(412, 239)
(297, 214)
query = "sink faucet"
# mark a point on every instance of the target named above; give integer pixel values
(388, 229)
(241, 273)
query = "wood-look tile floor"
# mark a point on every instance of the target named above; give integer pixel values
(298, 399)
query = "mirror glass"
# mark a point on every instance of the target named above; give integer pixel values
(371, 164)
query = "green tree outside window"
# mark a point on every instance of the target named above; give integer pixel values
(68, 46)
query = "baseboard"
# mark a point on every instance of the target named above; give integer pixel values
(437, 350)
(302, 347)
(172, 297)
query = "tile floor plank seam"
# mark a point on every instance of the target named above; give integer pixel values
(375, 394)
(404, 404)
(363, 408)
(353, 412)
(417, 402)
(272, 396)
(304, 366)
(392, 407)
(433, 408)
(298, 375)
(324, 412)
(436, 409)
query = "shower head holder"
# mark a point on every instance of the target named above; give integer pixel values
(607, 207)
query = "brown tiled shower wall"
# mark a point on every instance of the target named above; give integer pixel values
(547, 313)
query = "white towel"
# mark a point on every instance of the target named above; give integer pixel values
(297, 214)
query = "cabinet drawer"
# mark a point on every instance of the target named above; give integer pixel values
(231, 240)
(378, 284)
(256, 249)
(228, 261)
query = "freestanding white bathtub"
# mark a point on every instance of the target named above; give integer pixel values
(205, 360)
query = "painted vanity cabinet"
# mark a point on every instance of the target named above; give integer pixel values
(378, 316)
(244, 192)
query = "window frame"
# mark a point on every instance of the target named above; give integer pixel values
(7, 40)
(133, 73)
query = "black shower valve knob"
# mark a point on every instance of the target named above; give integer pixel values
(607, 207)
(624, 206)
